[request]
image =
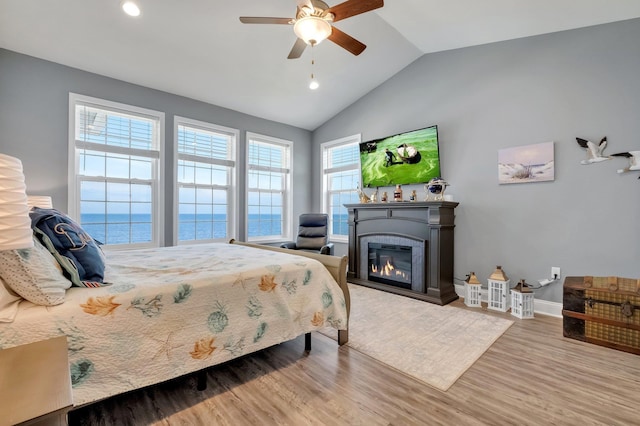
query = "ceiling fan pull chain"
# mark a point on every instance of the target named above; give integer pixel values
(313, 84)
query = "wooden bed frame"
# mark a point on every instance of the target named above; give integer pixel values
(337, 267)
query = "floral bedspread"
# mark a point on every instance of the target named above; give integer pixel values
(175, 310)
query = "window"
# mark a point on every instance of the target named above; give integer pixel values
(205, 179)
(114, 177)
(268, 188)
(340, 177)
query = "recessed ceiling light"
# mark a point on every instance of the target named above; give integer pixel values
(130, 7)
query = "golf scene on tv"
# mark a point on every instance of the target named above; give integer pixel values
(405, 158)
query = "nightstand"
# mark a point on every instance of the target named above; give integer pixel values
(35, 384)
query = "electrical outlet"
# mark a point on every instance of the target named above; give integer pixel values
(555, 272)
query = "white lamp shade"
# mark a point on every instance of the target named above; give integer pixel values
(312, 29)
(15, 225)
(42, 201)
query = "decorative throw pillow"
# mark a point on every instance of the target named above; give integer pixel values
(9, 302)
(79, 255)
(34, 274)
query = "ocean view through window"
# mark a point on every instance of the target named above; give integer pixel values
(119, 226)
(206, 175)
(268, 188)
(114, 181)
(119, 229)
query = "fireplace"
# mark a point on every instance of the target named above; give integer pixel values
(408, 256)
(389, 264)
(414, 238)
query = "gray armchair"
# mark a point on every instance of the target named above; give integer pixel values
(313, 234)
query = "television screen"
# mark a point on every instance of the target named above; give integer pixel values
(405, 158)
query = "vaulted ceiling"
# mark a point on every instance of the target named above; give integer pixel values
(199, 48)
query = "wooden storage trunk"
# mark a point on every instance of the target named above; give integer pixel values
(603, 310)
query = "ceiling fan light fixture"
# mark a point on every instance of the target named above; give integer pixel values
(130, 7)
(312, 29)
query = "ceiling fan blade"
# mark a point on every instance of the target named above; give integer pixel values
(347, 42)
(353, 7)
(297, 49)
(262, 20)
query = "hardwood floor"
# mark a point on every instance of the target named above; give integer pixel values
(531, 376)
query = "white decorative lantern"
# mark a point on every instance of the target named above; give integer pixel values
(472, 293)
(498, 291)
(522, 299)
(15, 225)
(42, 201)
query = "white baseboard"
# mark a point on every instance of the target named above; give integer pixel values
(542, 307)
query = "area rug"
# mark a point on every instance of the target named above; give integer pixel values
(435, 344)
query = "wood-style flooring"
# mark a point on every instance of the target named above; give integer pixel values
(532, 375)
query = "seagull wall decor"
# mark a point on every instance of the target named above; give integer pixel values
(634, 160)
(594, 152)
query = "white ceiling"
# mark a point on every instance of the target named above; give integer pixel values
(199, 48)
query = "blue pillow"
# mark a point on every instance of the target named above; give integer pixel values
(79, 255)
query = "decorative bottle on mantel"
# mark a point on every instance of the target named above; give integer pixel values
(397, 194)
(374, 196)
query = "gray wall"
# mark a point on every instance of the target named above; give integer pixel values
(556, 87)
(34, 99)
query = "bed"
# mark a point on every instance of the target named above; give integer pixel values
(173, 311)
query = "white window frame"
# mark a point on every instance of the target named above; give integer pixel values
(287, 208)
(231, 187)
(157, 184)
(326, 172)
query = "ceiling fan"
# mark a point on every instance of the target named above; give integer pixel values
(313, 23)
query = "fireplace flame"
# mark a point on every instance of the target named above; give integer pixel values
(388, 270)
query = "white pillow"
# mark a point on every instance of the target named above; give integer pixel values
(8, 303)
(34, 274)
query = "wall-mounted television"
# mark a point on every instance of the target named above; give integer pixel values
(402, 159)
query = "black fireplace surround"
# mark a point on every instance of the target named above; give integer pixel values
(423, 231)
